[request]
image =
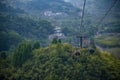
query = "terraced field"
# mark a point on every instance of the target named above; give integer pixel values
(109, 42)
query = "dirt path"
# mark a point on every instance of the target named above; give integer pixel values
(100, 48)
(111, 50)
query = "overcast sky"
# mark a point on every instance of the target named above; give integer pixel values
(66, 0)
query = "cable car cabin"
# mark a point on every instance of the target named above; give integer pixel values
(92, 50)
(77, 53)
(86, 43)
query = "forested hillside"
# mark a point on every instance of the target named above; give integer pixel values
(108, 32)
(97, 9)
(37, 7)
(14, 28)
(68, 16)
(56, 40)
(22, 20)
(58, 62)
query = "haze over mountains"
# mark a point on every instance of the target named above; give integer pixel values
(24, 17)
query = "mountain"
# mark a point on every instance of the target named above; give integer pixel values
(97, 9)
(58, 12)
(15, 28)
(26, 53)
(30, 19)
(33, 18)
(37, 7)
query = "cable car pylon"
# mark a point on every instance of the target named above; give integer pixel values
(80, 35)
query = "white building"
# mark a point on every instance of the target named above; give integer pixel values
(57, 33)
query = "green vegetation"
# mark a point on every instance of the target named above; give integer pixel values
(24, 28)
(108, 40)
(14, 29)
(21, 54)
(58, 62)
(115, 51)
(36, 45)
(56, 41)
(26, 55)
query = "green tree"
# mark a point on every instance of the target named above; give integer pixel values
(3, 55)
(36, 45)
(22, 53)
(59, 41)
(54, 41)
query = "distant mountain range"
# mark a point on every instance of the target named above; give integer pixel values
(38, 7)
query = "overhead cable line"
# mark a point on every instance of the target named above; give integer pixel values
(81, 25)
(102, 19)
(80, 36)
